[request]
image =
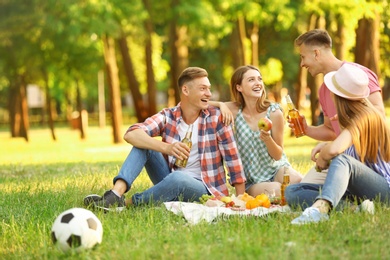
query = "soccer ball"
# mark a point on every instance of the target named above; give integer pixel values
(77, 229)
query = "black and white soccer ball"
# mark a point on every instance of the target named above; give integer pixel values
(76, 229)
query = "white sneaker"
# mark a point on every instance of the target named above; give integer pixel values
(366, 206)
(310, 215)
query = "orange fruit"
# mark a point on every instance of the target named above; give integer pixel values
(245, 197)
(262, 197)
(253, 203)
(267, 204)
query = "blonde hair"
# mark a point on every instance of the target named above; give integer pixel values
(367, 126)
(262, 103)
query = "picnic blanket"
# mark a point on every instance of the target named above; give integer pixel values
(195, 213)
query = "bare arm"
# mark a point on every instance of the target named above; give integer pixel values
(332, 149)
(240, 188)
(274, 141)
(377, 101)
(140, 139)
(229, 110)
(322, 132)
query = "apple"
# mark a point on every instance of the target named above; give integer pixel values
(264, 124)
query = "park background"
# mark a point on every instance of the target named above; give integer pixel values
(115, 62)
(75, 74)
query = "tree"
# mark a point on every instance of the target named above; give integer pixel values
(113, 83)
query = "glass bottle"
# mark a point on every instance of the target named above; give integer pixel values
(188, 142)
(285, 183)
(296, 118)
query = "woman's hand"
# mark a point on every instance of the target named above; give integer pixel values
(322, 164)
(227, 115)
(265, 136)
(316, 150)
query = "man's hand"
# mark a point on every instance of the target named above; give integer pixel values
(291, 125)
(179, 150)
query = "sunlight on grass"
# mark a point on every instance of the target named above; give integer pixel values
(42, 178)
(69, 147)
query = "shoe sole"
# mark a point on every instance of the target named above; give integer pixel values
(90, 199)
(113, 209)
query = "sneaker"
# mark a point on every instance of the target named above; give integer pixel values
(366, 206)
(90, 199)
(310, 215)
(109, 202)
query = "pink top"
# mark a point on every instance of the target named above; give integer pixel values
(327, 104)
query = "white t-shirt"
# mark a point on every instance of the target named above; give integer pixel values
(193, 164)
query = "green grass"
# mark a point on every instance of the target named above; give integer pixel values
(42, 178)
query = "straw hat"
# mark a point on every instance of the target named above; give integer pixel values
(349, 81)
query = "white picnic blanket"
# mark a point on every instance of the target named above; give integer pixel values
(195, 213)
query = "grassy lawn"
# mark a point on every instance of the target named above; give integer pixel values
(42, 178)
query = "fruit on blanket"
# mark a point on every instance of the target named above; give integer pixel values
(266, 204)
(261, 200)
(253, 203)
(262, 197)
(245, 197)
(229, 204)
(264, 124)
(264, 200)
(226, 199)
(205, 197)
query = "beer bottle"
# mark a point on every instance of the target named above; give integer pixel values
(188, 142)
(285, 183)
(296, 118)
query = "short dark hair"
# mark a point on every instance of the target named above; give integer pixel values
(314, 37)
(190, 74)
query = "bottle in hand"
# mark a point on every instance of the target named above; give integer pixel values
(188, 142)
(286, 182)
(295, 117)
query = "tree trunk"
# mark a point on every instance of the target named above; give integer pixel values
(367, 43)
(132, 81)
(18, 108)
(179, 57)
(237, 48)
(113, 85)
(255, 44)
(49, 106)
(149, 61)
(242, 38)
(81, 119)
(339, 40)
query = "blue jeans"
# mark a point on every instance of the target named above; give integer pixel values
(346, 177)
(168, 186)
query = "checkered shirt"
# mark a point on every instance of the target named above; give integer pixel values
(216, 145)
(259, 166)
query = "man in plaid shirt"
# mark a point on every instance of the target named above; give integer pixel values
(213, 149)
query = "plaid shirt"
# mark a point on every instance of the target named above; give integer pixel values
(216, 145)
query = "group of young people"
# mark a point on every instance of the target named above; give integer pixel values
(253, 160)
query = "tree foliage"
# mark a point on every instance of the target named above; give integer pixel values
(58, 45)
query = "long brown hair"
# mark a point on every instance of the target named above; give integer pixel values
(369, 130)
(262, 103)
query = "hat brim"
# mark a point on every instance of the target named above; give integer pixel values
(329, 84)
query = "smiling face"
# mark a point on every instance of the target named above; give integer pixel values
(309, 58)
(251, 85)
(198, 92)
